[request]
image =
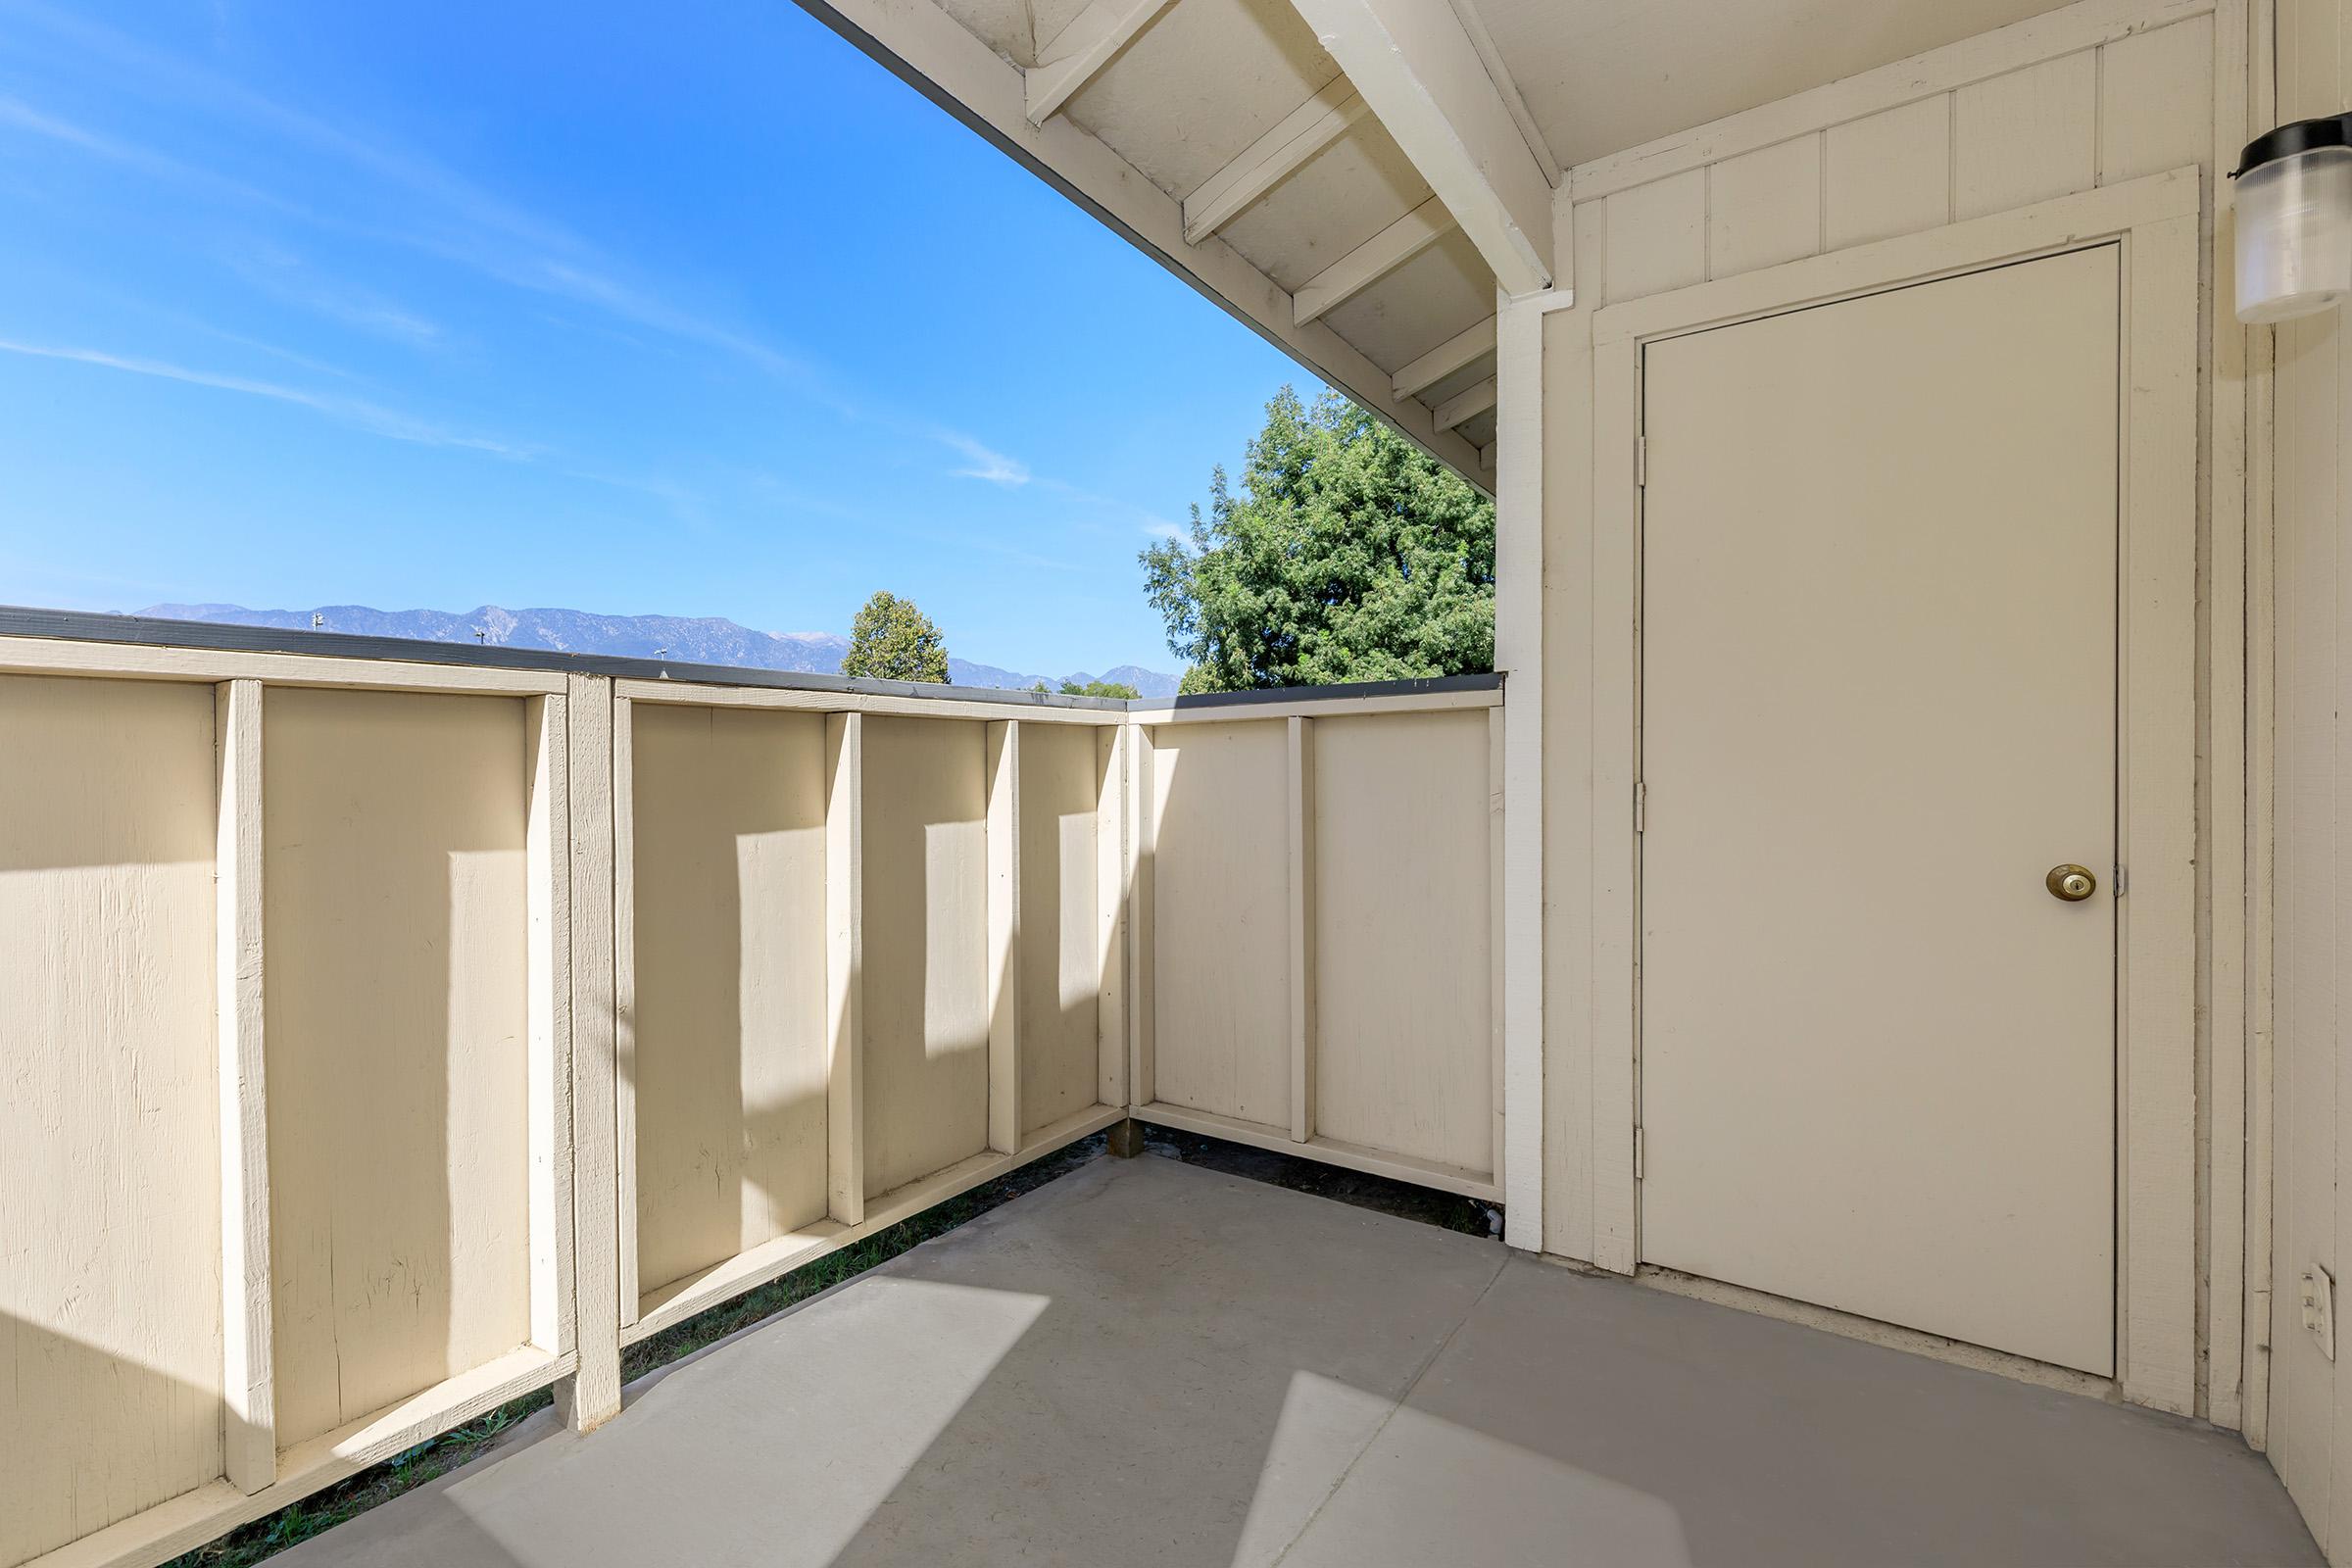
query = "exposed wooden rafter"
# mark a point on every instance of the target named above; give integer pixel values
(940, 58)
(1272, 159)
(1457, 352)
(1466, 406)
(1373, 260)
(1420, 71)
(1082, 48)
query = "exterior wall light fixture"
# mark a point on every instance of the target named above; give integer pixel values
(2295, 219)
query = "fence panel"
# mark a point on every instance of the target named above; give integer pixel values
(1319, 874)
(324, 1133)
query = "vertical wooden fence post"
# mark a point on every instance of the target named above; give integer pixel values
(624, 1003)
(249, 1430)
(845, 926)
(1497, 1000)
(1003, 784)
(1519, 655)
(547, 842)
(1142, 818)
(590, 1394)
(1302, 840)
(1111, 827)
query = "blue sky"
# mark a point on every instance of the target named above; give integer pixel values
(688, 309)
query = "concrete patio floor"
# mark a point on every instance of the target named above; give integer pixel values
(1147, 1362)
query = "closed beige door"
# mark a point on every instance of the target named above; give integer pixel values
(1878, 707)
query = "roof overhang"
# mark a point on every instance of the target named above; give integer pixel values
(1363, 182)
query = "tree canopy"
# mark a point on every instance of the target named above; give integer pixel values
(892, 640)
(1346, 553)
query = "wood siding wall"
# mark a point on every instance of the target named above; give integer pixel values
(2091, 95)
(2311, 1408)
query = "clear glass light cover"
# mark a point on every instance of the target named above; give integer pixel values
(2294, 234)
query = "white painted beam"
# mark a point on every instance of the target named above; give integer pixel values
(1272, 159)
(1372, 261)
(1499, 74)
(1418, 68)
(1463, 405)
(1084, 48)
(1446, 358)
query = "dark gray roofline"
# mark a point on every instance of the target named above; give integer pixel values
(1424, 686)
(85, 626)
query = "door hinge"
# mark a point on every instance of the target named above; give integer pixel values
(1640, 806)
(1639, 1152)
(1640, 461)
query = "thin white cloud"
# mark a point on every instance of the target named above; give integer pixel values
(1161, 528)
(283, 275)
(18, 115)
(992, 466)
(372, 418)
(454, 219)
(22, 114)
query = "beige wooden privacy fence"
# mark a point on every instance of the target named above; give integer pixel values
(386, 1038)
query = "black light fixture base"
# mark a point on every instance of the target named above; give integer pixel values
(2296, 136)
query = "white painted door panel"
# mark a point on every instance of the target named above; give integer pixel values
(1878, 674)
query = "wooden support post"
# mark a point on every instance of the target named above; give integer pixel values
(1301, 774)
(1519, 653)
(549, 1010)
(1124, 1139)
(1497, 847)
(1143, 818)
(624, 1004)
(590, 1394)
(1110, 911)
(1004, 936)
(845, 1071)
(249, 1422)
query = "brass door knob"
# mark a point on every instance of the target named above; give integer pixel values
(2072, 883)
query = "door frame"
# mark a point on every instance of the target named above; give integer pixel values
(2154, 222)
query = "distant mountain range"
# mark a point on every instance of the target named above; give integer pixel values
(694, 640)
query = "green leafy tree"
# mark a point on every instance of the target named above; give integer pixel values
(1096, 688)
(1346, 553)
(892, 640)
